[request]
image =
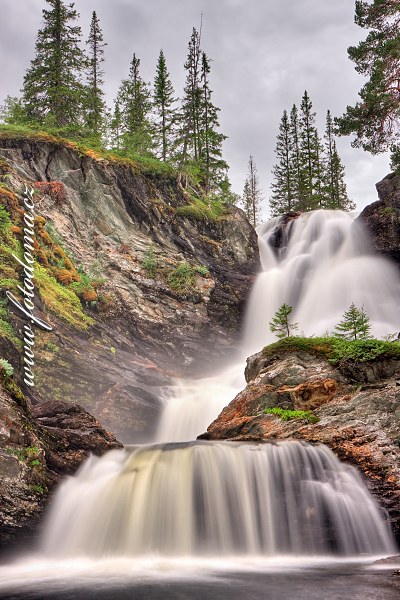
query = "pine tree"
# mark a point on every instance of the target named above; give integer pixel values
(375, 118)
(252, 195)
(163, 101)
(52, 90)
(210, 139)
(282, 199)
(280, 324)
(134, 104)
(355, 324)
(94, 103)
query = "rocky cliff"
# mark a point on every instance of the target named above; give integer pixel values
(38, 446)
(382, 218)
(352, 407)
(166, 279)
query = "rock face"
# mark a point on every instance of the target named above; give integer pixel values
(107, 217)
(382, 218)
(358, 407)
(37, 447)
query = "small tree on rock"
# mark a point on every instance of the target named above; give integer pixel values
(280, 324)
(355, 324)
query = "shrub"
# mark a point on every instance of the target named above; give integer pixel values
(181, 279)
(54, 189)
(149, 263)
(5, 365)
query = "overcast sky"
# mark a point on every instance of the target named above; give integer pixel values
(265, 53)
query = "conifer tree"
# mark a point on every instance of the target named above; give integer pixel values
(308, 151)
(247, 200)
(252, 195)
(189, 119)
(282, 199)
(134, 104)
(336, 196)
(210, 139)
(280, 324)
(115, 127)
(355, 324)
(342, 200)
(331, 200)
(52, 90)
(298, 175)
(375, 118)
(163, 101)
(94, 103)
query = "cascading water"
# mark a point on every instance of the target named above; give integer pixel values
(216, 500)
(325, 264)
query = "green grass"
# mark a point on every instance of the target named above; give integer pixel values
(336, 349)
(289, 415)
(182, 278)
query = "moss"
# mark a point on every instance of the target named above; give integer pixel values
(13, 389)
(336, 349)
(60, 300)
(200, 210)
(288, 415)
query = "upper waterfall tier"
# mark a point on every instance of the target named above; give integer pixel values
(324, 263)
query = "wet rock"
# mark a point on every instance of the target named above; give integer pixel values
(382, 218)
(37, 447)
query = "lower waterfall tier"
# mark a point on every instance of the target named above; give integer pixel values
(220, 498)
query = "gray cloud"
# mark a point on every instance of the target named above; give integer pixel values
(265, 54)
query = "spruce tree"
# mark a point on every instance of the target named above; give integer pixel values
(52, 90)
(94, 103)
(375, 118)
(309, 155)
(252, 195)
(280, 324)
(210, 139)
(336, 196)
(282, 199)
(355, 324)
(189, 144)
(342, 200)
(298, 175)
(163, 101)
(330, 195)
(134, 104)
(247, 200)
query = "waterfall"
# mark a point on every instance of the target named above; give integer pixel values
(216, 499)
(324, 266)
(223, 499)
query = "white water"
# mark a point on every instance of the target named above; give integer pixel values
(216, 499)
(325, 266)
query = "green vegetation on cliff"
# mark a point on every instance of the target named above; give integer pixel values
(336, 349)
